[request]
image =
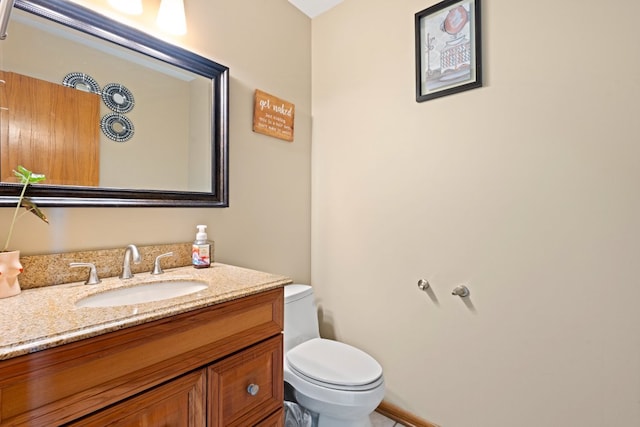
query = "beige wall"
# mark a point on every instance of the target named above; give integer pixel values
(526, 190)
(267, 225)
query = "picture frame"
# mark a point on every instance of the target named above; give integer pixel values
(448, 44)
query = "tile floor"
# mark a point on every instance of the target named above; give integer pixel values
(378, 420)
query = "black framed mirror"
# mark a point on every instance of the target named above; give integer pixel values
(139, 178)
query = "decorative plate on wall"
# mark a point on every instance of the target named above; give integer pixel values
(81, 81)
(118, 98)
(117, 127)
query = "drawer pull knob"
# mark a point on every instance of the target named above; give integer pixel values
(253, 389)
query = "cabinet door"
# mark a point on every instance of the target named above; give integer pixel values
(178, 403)
(247, 387)
(49, 129)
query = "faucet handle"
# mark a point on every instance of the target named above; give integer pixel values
(93, 274)
(157, 269)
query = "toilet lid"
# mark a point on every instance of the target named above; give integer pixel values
(334, 364)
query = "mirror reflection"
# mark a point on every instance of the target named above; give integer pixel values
(167, 129)
(110, 115)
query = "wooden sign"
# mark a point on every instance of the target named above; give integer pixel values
(273, 116)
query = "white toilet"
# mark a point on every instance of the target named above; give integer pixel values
(340, 383)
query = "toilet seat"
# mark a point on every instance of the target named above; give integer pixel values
(335, 365)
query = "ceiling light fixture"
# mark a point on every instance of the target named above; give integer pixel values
(171, 17)
(130, 7)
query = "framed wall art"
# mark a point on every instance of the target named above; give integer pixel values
(448, 49)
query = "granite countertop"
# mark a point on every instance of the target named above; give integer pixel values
(46, 317)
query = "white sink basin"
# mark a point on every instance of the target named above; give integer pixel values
(139, 294)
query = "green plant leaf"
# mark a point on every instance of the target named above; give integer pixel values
(31, 207)
(27, 177)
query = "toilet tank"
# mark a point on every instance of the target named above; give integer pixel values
(300, 315)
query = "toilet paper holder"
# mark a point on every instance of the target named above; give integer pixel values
(423, 285)
(461, 291)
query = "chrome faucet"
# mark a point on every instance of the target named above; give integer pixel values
(130, 251)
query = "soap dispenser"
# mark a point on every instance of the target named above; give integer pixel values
(201, 249)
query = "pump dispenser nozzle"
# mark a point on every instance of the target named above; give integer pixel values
(202, 232)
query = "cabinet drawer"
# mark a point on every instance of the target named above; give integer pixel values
(246, 387)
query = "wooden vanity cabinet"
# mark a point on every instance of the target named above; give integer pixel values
(216, 366)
